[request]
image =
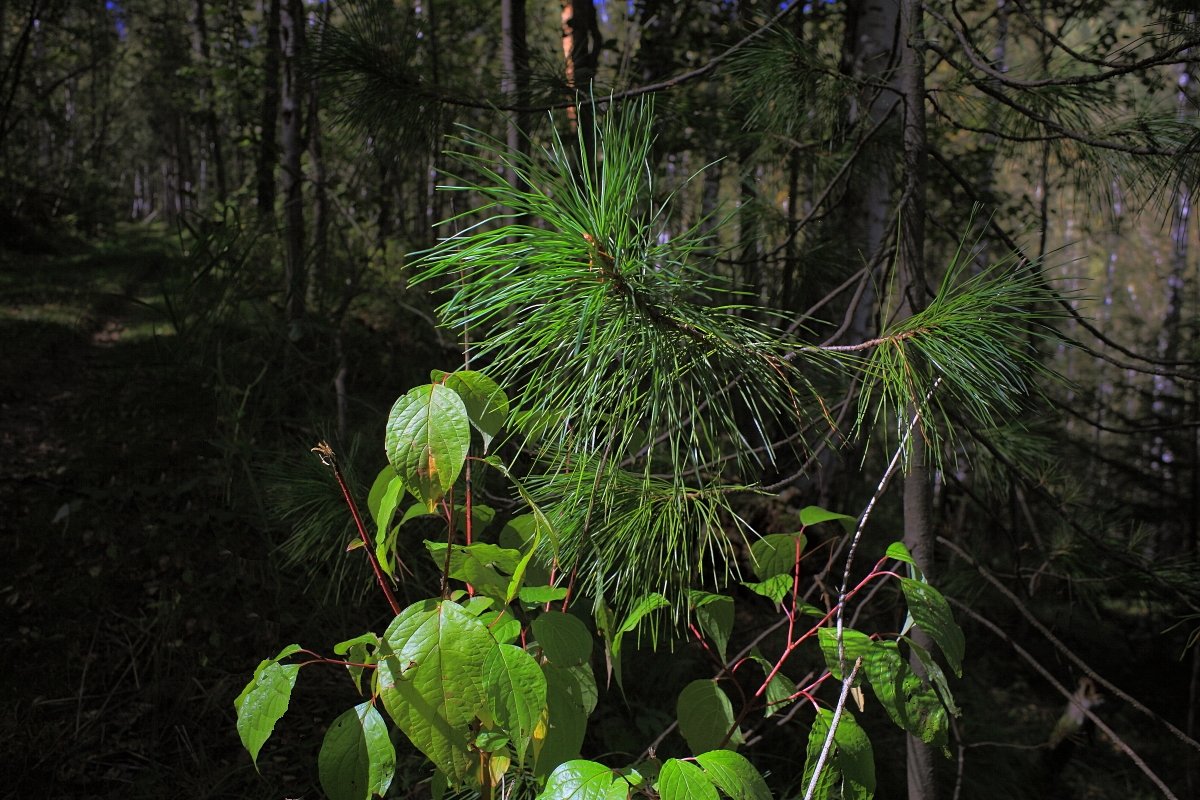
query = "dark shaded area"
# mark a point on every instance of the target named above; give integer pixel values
(140, 584)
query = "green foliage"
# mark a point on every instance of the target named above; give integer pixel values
(971, 351)
(357, 760)
(428, 434)
(706, 717)
(491, 683)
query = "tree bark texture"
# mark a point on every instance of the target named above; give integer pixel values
(268, 147)
(291, 30)
(918, 519)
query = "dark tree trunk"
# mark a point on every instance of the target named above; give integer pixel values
(581, 50)
(291, 30)
(268, 147)
(208, 92)
(514, 61)
(918, 519)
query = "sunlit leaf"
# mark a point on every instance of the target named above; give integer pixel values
(427, 437)
(682, 780)
(265, 700)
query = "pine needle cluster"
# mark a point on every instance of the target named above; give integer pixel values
(578, 295)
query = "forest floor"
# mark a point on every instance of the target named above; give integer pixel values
(136, 597)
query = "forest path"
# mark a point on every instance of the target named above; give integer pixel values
(122, 602)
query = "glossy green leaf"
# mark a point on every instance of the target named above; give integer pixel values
(357, 760)
(814, 515)
(850, 762)
(776, 554)
(855, 644)
(909, 701)
(829, 776)
(504, 627)
(584, 780)
(855, 758)
(714, 615)
(427, 437)
(432, 681)
(931, 611)
(898, 551)
(516, 690)
(383, 498)
(486, 403)
(564, 639)
(734, 775)
(683, 780)
(706, 717)
(491, 741)
(774, 588)
(538, 595)
(265, 700)
(486, 567)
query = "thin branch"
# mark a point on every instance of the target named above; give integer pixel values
(1164, 58)
(1062, 648)
(837, 716)
(1046, 122)
(1065, 692)
(326, 454)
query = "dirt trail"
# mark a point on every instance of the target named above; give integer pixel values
(112, 680)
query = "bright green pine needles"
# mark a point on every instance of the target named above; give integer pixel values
(577, 293)
(972, 350)
(603, 315)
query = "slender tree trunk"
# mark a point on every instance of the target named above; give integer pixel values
(514, 62)
(291, 29)
(268, 147)
(208, 92)
(581, 51)
(918, 519)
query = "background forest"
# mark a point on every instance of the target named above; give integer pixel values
(219, 243)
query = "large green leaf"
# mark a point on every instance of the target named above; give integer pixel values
(774, 588)
(734, 775)
(909, 701)
(714, 615)
(563, 637)
(569, 699)
(516, 688)
(486, 403)
(357, 760)
(432, 680)
(850, 761)
(776, 554)
(682, 780)
(814, 515)
(828, 777)
(935, 675)
(264, 700)
(486, 567)
(427, 437)
(584, 780)
(706, 716)
(855, 644)
(931, 611)
(855, 758)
